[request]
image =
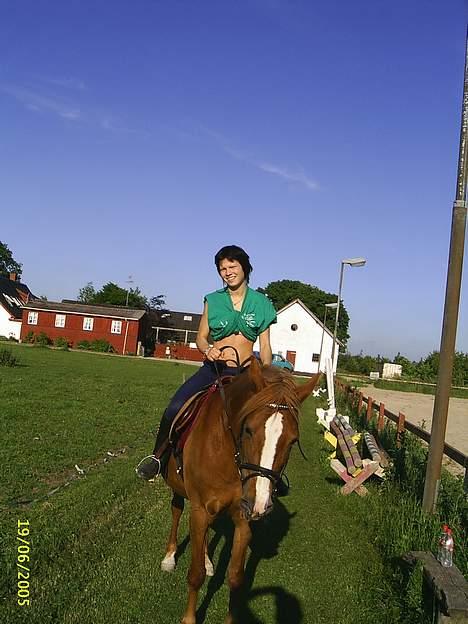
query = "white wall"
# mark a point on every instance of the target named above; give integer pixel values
(9, 328)
(305, 340)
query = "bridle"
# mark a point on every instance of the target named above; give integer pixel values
(255, 469)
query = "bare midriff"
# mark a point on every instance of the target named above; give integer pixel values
(243, 346)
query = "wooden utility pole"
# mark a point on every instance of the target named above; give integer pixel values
(449, 328)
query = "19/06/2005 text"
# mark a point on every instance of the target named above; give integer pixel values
(22, 563)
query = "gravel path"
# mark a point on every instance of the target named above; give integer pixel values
(418, 408)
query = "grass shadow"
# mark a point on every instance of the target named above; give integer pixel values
(267, 535)
(182, 547)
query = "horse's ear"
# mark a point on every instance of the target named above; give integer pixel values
(255, 373)
(304, 390)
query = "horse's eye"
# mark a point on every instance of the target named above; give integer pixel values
(248, 431)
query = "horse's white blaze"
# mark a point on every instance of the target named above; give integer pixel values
(273, 431)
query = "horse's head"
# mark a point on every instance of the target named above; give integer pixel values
(268, 428)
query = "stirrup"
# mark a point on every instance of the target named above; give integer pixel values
(149, 470)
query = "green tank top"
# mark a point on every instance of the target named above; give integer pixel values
(256, 315)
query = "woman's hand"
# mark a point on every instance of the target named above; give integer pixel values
(213, 354)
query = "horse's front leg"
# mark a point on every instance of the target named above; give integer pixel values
(177, 507)
(242, 536)
(199, 522)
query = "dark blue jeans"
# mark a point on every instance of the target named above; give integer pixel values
(203, 378)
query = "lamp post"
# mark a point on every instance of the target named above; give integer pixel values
(354, 262)
(129, 281)
(327, 306)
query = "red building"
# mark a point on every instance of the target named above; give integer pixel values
(123, 328)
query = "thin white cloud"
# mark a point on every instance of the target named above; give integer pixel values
(37, 102)
(290, 175)
(66, 83)
(111, 123)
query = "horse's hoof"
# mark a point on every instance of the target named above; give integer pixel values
(168, 563)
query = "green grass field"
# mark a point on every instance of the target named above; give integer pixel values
(97, 540)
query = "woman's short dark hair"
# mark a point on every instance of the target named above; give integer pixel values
(233, 252)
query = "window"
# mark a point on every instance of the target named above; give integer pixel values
(32, 318)
(294, 327)
(60, 320)
(187, 318)
(116, 327)
(315, 357)
(88, 323)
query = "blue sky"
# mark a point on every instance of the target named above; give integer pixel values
(139, 137)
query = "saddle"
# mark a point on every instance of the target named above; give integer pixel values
(186, 418)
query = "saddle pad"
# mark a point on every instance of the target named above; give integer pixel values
(187, 415)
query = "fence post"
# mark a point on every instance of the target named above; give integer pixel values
(400, 428)
(359, 406)
(369, 409)
(380, 423)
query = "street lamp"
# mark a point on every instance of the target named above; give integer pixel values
(354, 262)
(327, 306)
(129, 281)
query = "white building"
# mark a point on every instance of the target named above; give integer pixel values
(13, 295)
(298, 336)
(390, 371)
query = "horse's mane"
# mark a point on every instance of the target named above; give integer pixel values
(280, 389)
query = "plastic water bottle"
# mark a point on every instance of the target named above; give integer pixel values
(445, 550)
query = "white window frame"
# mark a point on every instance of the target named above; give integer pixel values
(60, 320)
(88, 322)
(116, 327)
(33, 317)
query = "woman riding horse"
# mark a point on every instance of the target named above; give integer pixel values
(234, 316)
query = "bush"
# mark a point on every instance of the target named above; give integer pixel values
(102, 346)
(42, 340)
(99, 345)
(8, 359)
(29, 337)
(62, 343)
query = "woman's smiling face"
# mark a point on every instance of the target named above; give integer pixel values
(231, 272)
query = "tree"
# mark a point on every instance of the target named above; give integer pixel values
(283, 292)
(87, 293)
(7, 263)
(113, 294)
(157, 303)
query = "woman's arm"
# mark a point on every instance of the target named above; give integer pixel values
(211, 353)
(265, 348)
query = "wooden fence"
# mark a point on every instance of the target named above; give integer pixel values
(401, 423)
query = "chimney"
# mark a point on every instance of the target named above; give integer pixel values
(13, 277)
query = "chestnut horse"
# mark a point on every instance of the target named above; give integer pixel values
(232, 460)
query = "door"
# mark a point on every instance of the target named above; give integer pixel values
(291, 357)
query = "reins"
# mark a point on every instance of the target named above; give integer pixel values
(256, 470)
